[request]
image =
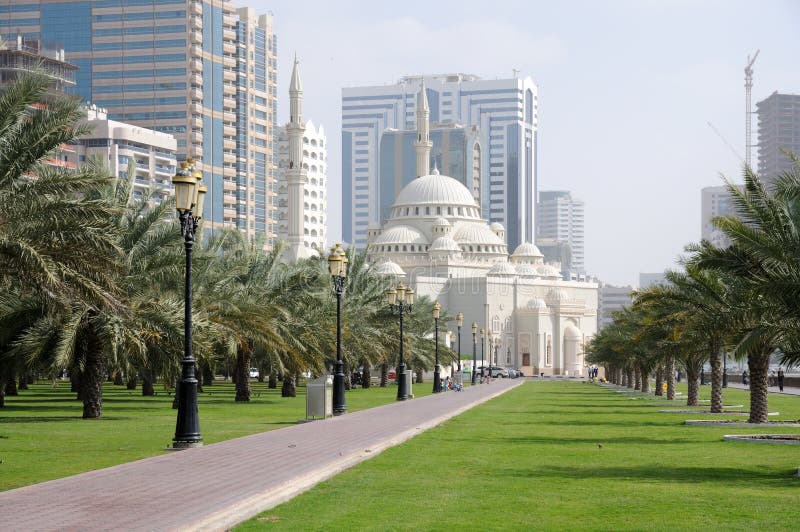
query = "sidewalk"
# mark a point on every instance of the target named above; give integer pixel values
(787, 390)
(217, 486)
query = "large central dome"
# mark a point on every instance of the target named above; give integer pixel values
(435, 189)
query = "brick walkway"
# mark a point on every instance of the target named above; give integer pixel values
(217, 486)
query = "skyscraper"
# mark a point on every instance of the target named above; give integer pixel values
(778, 130)
(191, 68)
(559, 217)
(505, 115)
(715, 201)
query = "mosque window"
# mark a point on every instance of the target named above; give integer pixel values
(405, 213)
(548, 356)
(458, 210)
(305, 231)
(427, 211)
(479, 249)
(470, 249)
(438, 210)
(397, 248)
(450, 211)
(305, 218)
(313, 232)
(404, 247)
(416, 211)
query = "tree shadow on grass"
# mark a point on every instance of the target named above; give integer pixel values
(655, 472)
(50, 419)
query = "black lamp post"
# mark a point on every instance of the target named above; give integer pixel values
(400, 300)
(459, 323)
(725, 370)
(482, 349)
(189, 200)
(437, 371)
(474, 352)
(337, 265)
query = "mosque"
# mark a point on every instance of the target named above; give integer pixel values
(436, 242)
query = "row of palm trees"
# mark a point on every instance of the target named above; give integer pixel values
(91, 280)
(743, 300)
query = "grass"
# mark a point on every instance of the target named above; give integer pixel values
(42, 435)
(563, 455)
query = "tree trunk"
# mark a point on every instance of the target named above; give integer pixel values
(384, 375)
(93, 373)
(629, 377)
(11, 387)
(200, 380)
(366, 378)
(176, 397)
(645, 380)
(241, 371)
(637, 377)
(147, 383)
(693, 378)
(288, 389)
(758, 364)
(348, 381)
(669, 369)
(118, 378)
(659, 380)
(131, 382)
(260, 375)
(208, 374)
(75, 381)
(716, 378)
(273, 380)
(419, 375)
(622, 381)
(23, 382)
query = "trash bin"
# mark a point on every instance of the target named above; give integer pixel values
(408, 376)
(319, 397)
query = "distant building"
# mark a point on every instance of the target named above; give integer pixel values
(504, 111)
(557, 252)
(456, 152)
(778, 130)
(611, 298)
(649, 279)
(715, 201)
(559, 216)
(20, 54)
(315, 195)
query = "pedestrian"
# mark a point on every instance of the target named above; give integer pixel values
(772, 378)
(780, 378)
(744, 377)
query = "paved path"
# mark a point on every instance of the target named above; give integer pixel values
(787, 390)
(216, 486)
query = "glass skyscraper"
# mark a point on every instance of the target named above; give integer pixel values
(505, 113)
(196, 69)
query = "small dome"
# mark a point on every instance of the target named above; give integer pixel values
(477, 234)
(557, 295)
(502, 268)
(572, 333)
(526, 249)
(401, 234)
(548, 271)
(536, 303)
(435, 189)
(389, 268)
(445, 243)
(441, 222)
(526, 270)
(496, 226)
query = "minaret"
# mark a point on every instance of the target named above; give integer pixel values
(296, 176)
(423, 143)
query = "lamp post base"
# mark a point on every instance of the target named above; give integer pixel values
(339, 404)
(402, 389)
(181, 445)
(437, 379)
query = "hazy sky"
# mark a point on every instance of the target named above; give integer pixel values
(626, 89)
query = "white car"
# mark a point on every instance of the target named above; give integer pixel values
(253, 373)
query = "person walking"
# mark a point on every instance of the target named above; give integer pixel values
(780, 379)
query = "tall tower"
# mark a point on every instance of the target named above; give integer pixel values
(296, 175)
(423, 143)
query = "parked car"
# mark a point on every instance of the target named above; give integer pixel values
(253, 373)
(493, 371)
(512, 373)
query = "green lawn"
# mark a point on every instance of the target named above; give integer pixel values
(42, 435)
(531, 459)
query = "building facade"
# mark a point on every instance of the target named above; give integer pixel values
(559, 217)
(196, 69)
(647, 280)
(21, 54)
(778, 130)
(715, 201)
(505, 115)
(611, 299)
(315, 190)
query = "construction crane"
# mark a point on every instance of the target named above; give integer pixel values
(748, 89)
(723, 139)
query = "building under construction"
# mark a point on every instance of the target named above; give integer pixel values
(778, 130)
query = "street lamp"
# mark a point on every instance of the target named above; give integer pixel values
(401, 300)
(437, 371)
(337, 265)
(459, 323)
(496, 348)
(189, 200)
(482, 348)
(725, 370)
(474, 352)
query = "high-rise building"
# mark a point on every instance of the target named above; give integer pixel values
(196, 69)
(557, 252)
(610, 299)
(715, 201)
(456, 152)
(647, 280)
(21, 54)
(503, 111)
(559, 216)
(778, 130)
(315, 191)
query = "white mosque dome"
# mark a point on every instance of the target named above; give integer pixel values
(441, 222)
(502, 268)
(537, 303)
(445, 243)
(526, 270)
(571, 332)
(526, 249)
(388, 268)
(401, 234)
(435, 189)
(477, 234)
(557, 295)
(497, 226)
